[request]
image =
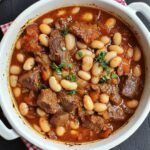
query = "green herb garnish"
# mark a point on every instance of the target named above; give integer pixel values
(42, 86)
(80, 54)
(71, 77)
(101, 59)
(103, 79)
(69, 66)
(73, 92)
(114, 76)
(64, 31)
(57, 68)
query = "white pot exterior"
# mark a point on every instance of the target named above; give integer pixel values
(126, 14)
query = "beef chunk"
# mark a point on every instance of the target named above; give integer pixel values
(86, 31)
(30, 39)
(52, 135)
(47, 100)
(68, 102)
(113, 91)
(30, 80)
(131, 87)
(93, 122)
(62, 23)
(116, 113)
(60, 119)
(56, 46)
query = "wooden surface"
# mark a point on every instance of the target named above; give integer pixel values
(9, 10)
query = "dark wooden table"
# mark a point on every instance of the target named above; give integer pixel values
(9, 9)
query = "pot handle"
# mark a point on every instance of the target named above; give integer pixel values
(7, 134)
(141, 7)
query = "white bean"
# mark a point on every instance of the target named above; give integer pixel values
(70, 41)
(97, 44)
(23, 107)
(87, 16)
(117, 38)
(81, 45)
(29, 64)
(40, 112)
(47, 21)
(75, 10)
(130, 53)
(95, 80)
(88, 103)
(60, 131)
(111, 22)
(15, 69)
(44, 124)
(115, 62)
(45, 29)
(74, 132)
(110, 55)
(99, 107)
(61, 12)
(17, 92)
(132, 103)
(68, 85)
(105, 39)
(44, 40)
(36, 127)
(74, 124)
(18, 44)
(87, 63)
(116, 48)
(137, 54)
(104, 98)
(83, 52)
(20, 57)
(81, 83)
(84, 75)
(13, 80)
(96, 69)
(137, 72)
(53, 83)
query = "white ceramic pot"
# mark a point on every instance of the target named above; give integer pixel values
(128, 15)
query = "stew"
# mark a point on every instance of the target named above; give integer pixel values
(77, 74)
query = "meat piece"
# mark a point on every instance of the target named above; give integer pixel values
(113, 91)
(52, 135)
(86, 31)
(60, 119)
(62, 23)
(116, 113)
(47, 100)
(131, 87)
(30, 80)
(56, 46)
(30, 39)
(68, 102)
(93, 122)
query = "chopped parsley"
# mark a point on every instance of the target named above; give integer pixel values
(71, 77)
(42, 86)
(73, 92)
(101, 59)
(104, 79)
(64, 31)
(80, 54)
(69, 66)
(114, 76)
(57, 68)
